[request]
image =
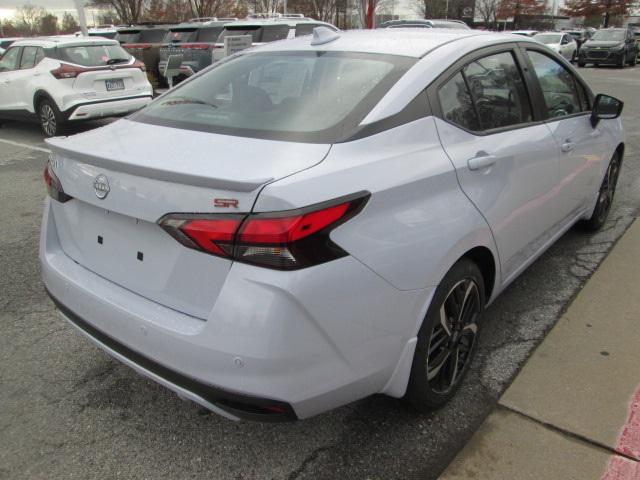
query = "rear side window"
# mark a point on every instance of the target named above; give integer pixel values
(28, 59)
(93, 55)
(456, 103)
(209, 35)
(269, 33)
(498, 91)
(559, 86)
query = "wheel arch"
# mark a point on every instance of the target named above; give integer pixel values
(39, 96)
(486, 262)
(620, 151)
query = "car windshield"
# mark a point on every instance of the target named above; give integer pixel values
(317, 97)
(548, 39)
(93, 55)
(608, 36)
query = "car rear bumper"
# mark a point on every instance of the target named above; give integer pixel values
(276, 346)
(107, 108)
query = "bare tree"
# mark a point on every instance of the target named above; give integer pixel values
(28, 17)
(207, 8)
(324, 10)
(128, 11)
(488, 10)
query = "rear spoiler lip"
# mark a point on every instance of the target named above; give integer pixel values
(248, 185)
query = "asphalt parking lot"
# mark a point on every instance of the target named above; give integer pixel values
(70, 411)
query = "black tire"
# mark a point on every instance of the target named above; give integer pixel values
(634, 60)
(622, 62)
(51, 120)
(574, 56)
(450, 327)
(605, 197)
(581, 64)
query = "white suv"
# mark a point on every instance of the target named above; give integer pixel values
(62, 79)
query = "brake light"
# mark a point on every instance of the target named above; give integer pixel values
(67, 71)
(54, 187)
(284, 240)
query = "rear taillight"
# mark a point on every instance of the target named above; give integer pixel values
(284, 240)
(67, 71)
(140, 65)
(54, 187)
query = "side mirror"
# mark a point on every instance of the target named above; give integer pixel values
(605, 108)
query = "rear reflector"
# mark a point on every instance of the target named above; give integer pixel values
(284, 240)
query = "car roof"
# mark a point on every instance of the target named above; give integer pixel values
(63, 41)
(410, 42)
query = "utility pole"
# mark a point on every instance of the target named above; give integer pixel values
(81, 17)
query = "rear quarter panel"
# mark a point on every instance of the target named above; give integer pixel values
(417, 222)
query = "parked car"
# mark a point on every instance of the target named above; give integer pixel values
(325, 218)
(59, 80)
(144, 42)
(562, 43)
(436, 23)
(272, 29)
(199, 47)
(195, 42)
(613, 46)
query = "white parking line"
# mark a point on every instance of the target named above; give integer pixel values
(25, 145)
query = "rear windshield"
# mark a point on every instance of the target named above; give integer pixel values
(93, 55)
(154, 35)
(128, 36)
(281, 95)
(209, 35)
(260, 34)
(180, 36)
(608, 36)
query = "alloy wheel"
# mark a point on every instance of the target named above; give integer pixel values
(48, 119)
(453, 338)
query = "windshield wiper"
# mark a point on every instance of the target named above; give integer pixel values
(112, 61)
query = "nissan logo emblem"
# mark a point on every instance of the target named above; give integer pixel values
(101, 186)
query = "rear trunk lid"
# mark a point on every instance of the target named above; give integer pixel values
(152, 171)
(107, 83)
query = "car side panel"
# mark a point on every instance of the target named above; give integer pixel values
(417, 222)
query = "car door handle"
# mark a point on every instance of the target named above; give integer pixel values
(481, 160)
(567, 146)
